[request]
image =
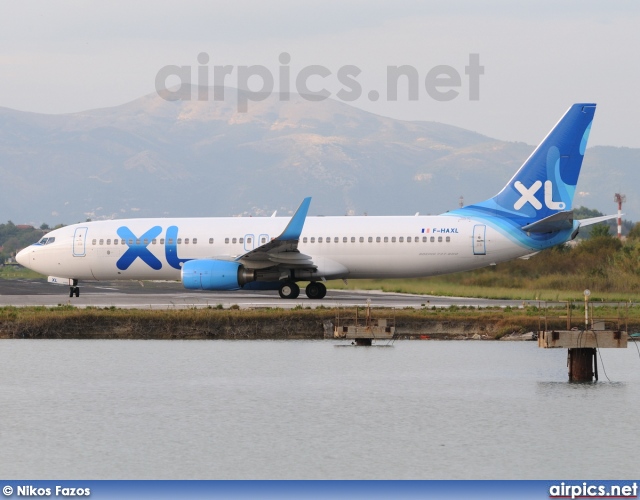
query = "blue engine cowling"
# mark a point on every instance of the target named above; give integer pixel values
(211, 274)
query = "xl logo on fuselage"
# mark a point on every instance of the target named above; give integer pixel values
(528, 196)
(138, 248)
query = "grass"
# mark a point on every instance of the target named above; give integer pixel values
(441, 286)
(18, 272)
(233, 313)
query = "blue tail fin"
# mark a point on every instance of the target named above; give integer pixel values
(545, 184)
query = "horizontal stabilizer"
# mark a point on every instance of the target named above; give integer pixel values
(556, 222)
(595, 220)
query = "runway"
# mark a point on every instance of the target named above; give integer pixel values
(166, 295)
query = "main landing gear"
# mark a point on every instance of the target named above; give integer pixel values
(290, 290)
(316, 290)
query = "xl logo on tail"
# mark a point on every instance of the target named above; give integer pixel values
(528, 196)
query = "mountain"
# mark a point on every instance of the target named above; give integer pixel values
(153, 157)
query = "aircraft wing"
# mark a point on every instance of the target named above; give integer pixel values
(283, 249)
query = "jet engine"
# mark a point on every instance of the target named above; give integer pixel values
(211, 274)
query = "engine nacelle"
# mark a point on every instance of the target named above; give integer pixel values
(211, 274)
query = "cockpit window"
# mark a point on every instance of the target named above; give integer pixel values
(43, 241)
(51, 240)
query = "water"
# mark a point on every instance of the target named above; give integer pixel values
(250, 409)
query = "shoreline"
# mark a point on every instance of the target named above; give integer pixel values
(67, 322)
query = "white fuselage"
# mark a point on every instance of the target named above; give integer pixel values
(353, 247)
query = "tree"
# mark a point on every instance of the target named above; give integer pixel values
(600, 231)
(634, 233)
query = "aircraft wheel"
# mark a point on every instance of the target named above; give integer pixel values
(316, 290)
(289, 290)
(74, 290)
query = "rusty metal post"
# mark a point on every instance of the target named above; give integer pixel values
(581, 362)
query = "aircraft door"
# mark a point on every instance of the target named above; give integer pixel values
(479, 237)
(249, 242)
(79, 242)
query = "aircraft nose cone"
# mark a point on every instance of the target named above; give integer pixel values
(22, 257)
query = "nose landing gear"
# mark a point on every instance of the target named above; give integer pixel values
(74, 289)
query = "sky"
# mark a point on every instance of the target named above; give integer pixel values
(537, 58)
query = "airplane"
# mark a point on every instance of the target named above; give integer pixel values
(531, 213)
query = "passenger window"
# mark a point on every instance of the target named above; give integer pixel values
(130, 242)
(361, 239)
(93, 242)
(146, 241)
(241, 240)
(424, 239)
(162, 241)
(226, 240)
(115, 242)
(264, 240)
(186, 241)
(386, 239)
(448, 239)
(408, 239)
(210, 241)
(401, 239)
(108, 242)
(345, 239)
(248, 241)
(304, 240)
(313, 240)
(439, 239)
(393, 239)
(153, 241)
(170, 241)
(370, 239)
(179, 241)
(336, 240)
(320, 239)
(353, 239)
(234, 240)
(195, 241)
(122, 242)
(328, 239)
(433, 238)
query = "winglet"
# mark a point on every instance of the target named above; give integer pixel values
(294, 228)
